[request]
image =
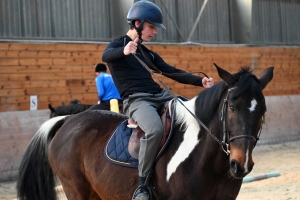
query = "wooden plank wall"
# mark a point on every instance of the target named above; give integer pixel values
(59, 72)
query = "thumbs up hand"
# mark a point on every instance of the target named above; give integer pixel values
(131, 47)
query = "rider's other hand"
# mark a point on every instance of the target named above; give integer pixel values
(207, 82)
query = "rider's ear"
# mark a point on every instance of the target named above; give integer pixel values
(137, 23)
(226, 76)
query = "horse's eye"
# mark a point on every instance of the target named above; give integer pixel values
(231, 108)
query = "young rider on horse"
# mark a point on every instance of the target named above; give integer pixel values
(142, 96)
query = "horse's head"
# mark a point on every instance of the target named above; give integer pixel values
(242, 116)
(74, 101)
(53, 112)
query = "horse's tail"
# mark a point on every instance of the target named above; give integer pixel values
(36, 179)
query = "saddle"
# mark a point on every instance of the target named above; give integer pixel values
(122, 147)
(137, 133)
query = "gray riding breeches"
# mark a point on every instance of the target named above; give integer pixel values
(143, 108)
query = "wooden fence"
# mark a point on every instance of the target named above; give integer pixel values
(59, 72)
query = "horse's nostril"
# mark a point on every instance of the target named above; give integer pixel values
(237, 170)
(234, 166)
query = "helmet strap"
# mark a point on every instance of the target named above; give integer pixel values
(139, 30)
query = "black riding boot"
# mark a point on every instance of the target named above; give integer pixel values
(143, 191)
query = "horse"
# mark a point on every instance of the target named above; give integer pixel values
(74, 101)
(68, 109)
(207, 157)
(76, 108)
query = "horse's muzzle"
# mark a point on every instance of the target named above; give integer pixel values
(238, 171)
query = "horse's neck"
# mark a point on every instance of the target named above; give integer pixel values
(200, 108)
(187, 132)
(207, 112)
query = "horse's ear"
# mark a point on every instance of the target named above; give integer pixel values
(51, 108)
(226, 76)
(266, 77)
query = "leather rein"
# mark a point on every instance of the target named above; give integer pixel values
(225, 132)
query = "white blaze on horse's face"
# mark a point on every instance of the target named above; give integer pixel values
(190, 137)
(247, 160)
(253, 105)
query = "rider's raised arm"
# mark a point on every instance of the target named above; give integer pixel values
(178, 75)
(113, 51)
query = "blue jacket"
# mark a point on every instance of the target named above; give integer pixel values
(106, 87)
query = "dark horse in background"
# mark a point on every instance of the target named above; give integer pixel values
(198, 163)
(75, 107)
(68, 109)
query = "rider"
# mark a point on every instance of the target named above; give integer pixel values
(142, 96)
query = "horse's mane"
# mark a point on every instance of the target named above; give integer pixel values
(209, 100)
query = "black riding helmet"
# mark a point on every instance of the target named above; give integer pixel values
(145, 11)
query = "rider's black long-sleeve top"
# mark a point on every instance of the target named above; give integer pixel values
(131, 77)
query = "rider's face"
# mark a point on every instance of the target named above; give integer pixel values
(149, 31)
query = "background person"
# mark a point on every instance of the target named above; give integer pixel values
(105, 87)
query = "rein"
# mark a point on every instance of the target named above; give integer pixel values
(156, 70)
(223, 111)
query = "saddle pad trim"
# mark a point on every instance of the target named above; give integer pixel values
(111, 160)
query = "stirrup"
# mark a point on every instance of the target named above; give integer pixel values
(142, 189)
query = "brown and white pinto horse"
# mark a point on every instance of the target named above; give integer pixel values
(196, 164)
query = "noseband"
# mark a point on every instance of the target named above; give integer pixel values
(226, 132)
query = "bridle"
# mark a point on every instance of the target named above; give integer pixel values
(225, 132)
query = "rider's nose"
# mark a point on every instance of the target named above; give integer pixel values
(154, 30)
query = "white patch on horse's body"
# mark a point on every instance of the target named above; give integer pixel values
(190, 138)
(253, 105)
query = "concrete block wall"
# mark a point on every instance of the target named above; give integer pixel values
(16, 130)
